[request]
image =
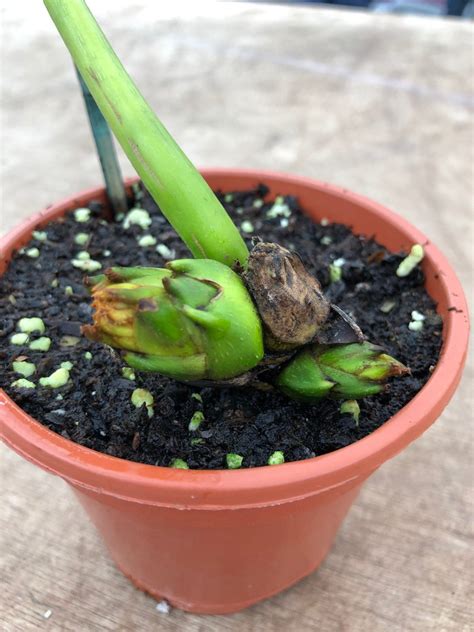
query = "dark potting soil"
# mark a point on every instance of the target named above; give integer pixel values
(94, 409)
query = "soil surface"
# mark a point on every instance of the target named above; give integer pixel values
(94, 409)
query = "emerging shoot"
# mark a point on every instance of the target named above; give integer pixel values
(340, 371)
(193, 320)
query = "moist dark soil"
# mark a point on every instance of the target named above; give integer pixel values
(94, 407)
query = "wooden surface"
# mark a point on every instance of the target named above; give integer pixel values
(379, 104)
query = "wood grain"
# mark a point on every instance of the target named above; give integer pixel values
(380, 104)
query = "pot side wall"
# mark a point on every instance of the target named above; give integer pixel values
(218, 561)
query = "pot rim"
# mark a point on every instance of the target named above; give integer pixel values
(260, 486)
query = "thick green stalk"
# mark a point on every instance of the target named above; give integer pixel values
(176, 186)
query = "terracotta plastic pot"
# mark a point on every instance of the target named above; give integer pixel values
(219, 541)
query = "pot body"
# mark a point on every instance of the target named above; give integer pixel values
(218, 541)
(218, 560)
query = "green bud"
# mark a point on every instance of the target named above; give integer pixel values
(194, 320)
(348, 371)
(196, 421)
(277, 458)
(24, 368)
(350, 407)
(234, 461)
(179, 464)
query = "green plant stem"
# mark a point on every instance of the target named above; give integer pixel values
(176, 186)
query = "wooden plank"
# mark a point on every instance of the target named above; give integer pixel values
(379, 104)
